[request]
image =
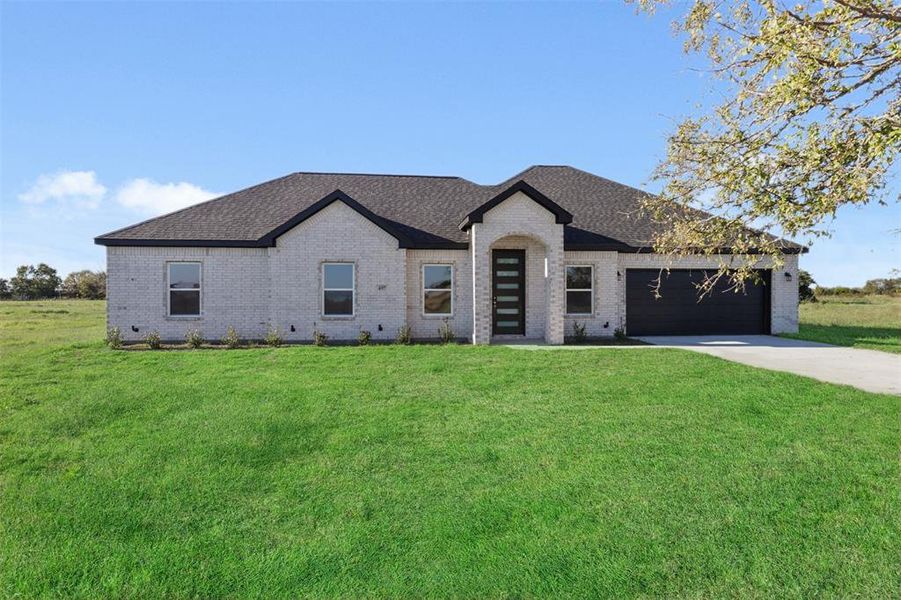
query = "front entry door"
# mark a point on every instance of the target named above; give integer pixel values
(508, 292)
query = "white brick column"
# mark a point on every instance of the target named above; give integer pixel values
(481, 286)
(555, 283)
(784, 297)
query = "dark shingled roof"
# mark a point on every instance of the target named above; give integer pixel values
(421, 211)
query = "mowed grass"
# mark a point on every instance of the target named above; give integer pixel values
(40, 325)
(432, 471)
(862, 322)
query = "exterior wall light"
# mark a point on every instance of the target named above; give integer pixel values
(788, 276)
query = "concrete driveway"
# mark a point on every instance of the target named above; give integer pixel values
(869, 370)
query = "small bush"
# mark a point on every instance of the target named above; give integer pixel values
(231, 339)
(404, 337)
(194, 338)
(579, 333)
(114, 338)
(619, 334)
(273, 337)
(320, 338)
(446, 333)
(153, 341)
(364, 338)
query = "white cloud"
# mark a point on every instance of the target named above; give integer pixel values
(77, 188)
(152, 198)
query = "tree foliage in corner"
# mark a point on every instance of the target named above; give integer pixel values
(811, 122)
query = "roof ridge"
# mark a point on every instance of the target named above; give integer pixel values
(596, 176)
(508, 180)
(378, 175)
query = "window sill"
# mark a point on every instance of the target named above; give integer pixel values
(184, 317)
(434, 317)
(579, 316)
(338, 317)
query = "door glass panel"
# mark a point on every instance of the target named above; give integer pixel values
(508, 274)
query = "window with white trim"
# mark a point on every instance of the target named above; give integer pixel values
(338, 289)
(437, 290)
(579, 289)
(183, 283)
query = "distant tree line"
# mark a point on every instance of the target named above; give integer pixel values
(42, 282)
(884, 286)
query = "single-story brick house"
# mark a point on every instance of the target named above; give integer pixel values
(344, 252)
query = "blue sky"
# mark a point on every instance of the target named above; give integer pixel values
(112, 113)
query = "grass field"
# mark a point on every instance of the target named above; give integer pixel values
(432, 471)
(863, 322)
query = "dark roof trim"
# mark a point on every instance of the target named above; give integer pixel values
(105, 241)
(563, 217)
(623, 248)
(270, 238)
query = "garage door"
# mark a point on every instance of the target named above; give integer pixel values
(679, 311)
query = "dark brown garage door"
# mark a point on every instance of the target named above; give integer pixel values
(680, 312)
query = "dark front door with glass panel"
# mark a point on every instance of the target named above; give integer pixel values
(508, 289)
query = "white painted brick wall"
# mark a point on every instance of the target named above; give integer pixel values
(784, 298)
(606, 296)
(426, 326)
(235, 288)
(337, 234)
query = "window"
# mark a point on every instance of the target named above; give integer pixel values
(437, 289)
(184, 289)
(338, 289)
(579, 291)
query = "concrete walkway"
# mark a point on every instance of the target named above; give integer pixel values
(869, 370)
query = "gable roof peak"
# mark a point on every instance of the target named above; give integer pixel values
(337, 196)
(562, 216)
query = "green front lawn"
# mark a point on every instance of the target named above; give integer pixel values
(434, 471)
(872, 322)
